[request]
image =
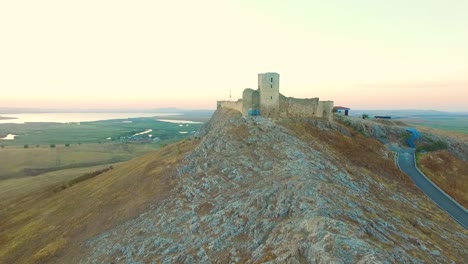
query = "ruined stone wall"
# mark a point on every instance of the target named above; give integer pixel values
(250, 100)
(308, 107)
(236, 105)
(293, 107)
(325, 109)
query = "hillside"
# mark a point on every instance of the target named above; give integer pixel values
(292, 191)
(244, 190)
(448, 172)
(446, 164)
(41, 221)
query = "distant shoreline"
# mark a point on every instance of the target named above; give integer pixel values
(194, 118)
(74, 117)
(6, 118)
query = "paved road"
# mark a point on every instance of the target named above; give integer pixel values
(408, 166)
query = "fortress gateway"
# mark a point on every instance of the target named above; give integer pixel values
(268, 102)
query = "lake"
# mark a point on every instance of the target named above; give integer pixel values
(74, 117)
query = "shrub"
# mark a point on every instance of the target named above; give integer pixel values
(26, 146)
(2, 146)
(52, 145)
(432, 146)
(67, 145)
(87, 176)
(365, 116)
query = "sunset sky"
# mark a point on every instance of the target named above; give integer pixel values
(364, 54)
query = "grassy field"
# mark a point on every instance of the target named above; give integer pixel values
(20, 162)
(44, 147)
(62, 183)
(453, 123)
(41, 222)
(45, 134)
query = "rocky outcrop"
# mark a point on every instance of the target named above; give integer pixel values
(252, 192)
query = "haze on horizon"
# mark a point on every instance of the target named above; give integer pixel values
(150, 54)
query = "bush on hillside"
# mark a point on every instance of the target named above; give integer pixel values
(83, 177)
(432, 146)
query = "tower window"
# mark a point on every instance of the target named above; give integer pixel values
(271, 97)
(271, 85)
(271, 79)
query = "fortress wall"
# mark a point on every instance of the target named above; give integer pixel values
(325, 109)
(250, 100)
(293, 107)
(236, 105)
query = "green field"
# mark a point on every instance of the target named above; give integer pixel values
(456, 124)
(47, 147)
(33, 134)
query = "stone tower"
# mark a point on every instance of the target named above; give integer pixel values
(268, 86)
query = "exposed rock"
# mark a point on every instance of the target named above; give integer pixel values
(252, 192)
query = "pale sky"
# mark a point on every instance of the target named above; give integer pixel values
(364, 54)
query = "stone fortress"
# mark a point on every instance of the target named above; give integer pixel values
(268, 102)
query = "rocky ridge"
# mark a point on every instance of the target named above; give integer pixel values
(253, 192)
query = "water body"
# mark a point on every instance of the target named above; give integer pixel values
(144, 132)
(9, 137)
(179, 121)
(74, 117)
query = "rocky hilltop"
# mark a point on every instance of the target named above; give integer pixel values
(285, 191)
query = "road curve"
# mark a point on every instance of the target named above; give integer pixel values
(406, 162)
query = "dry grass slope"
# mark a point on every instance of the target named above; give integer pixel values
(18, 162)
(448, 172)
(53, 226)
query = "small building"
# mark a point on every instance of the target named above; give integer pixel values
(341, 110)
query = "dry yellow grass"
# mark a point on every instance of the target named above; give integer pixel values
(14, 160)
(448, 172)
(54, 225)
(20, 190)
